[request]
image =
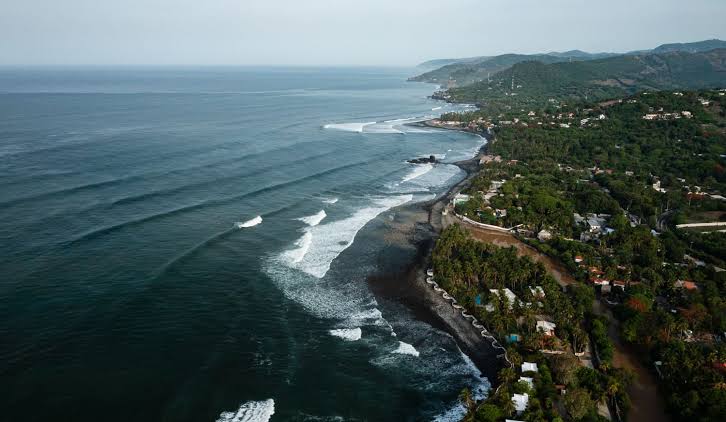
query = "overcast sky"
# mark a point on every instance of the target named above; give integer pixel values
(337, 32)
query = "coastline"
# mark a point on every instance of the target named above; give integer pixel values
(420, 225)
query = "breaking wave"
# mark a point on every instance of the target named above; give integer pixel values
(321, 244)
(315, 219)
(418, 171)
(350, 334)
(348, 127)
(330, 200)
(406, 349)
(252, 411)
(249, 223)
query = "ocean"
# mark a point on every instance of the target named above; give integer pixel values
(194, 244)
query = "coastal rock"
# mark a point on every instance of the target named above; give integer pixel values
(430, 160)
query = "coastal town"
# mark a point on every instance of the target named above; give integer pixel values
(597, 267)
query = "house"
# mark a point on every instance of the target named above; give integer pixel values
(460, 198)
(520, 402)
(511, 298)
(599, 281)
(595, 222)
(529, 367)
(685, 284)
(579, 259)
(619, 283)
(500, 213)
(656, 186)
(548, 328)
(528, 380)
(537, 291)
(544, 235)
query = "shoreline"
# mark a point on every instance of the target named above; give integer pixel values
(408, 286)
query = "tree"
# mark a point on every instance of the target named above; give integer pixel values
(577, 403)
(564, 367)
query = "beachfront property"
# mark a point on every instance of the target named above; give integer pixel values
(520, 402)
(461, 198)
(528, 380)
(546, 327)
(529, 367)
(511, 298)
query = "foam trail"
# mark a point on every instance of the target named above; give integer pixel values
(348, 127)
(321, 244)
(406, 349)
(252, 411)
(303, 246)
(418, 171)
(350, 334)
(330, 200)
(249, 223)
(315, 219)
(436, 108)
(479, 392)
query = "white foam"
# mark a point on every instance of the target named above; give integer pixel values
(348, 127)
(252, 411)
(418, 171)
(479, 391)
(303, 245)
(249, 223)
(321, 244)
(350, 334)
(330, 200)
(315, 219)
(406, 349)
(436, 108)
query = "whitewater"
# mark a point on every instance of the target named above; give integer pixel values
(208, 239)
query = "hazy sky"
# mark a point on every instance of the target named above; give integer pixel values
(337, 32)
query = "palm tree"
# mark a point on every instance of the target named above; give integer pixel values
(467, 400)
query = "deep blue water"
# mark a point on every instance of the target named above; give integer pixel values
(134, 285)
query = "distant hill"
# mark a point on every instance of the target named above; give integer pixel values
(693, 47)
(437, 63)
(601, 78)
(467, 71)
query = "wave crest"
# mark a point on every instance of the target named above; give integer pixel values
(350, 334)
(249, 223)
(252, 411)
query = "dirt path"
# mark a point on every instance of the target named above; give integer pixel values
(647, 405)
(504, 239)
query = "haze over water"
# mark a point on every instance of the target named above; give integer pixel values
(179, 243)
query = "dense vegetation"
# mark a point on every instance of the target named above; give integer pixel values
(537, 81)
(466, 71)
(636, 177)
(468, 269)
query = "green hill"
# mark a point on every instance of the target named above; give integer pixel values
(467, 71)
(602, 78)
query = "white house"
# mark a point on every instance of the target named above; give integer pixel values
(520, 402)
(529, 367)
(548, 328)
(528, 380)
(544, 235)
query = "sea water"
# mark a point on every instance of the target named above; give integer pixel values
(193, 244)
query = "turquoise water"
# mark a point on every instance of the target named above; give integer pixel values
(180, 243)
